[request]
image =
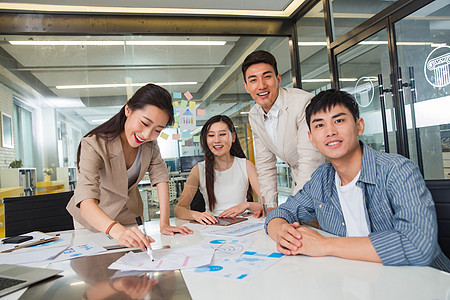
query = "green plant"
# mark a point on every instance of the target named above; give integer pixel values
(47, 171)
(16, 163)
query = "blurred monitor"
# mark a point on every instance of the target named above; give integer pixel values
(188, 162)
(172, 164)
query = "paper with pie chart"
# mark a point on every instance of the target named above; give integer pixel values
(232, 262)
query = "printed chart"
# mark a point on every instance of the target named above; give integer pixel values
(249, 265)
(165, 259)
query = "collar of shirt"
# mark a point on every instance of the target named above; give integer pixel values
(274, 110)
(368, 167)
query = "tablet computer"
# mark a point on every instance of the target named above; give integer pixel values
(225, 221)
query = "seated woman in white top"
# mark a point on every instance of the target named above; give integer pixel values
(225, 178)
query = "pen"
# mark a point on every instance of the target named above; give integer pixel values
(149, 250)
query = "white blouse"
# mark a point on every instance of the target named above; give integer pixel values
(230, 186)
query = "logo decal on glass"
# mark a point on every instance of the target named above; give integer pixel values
(437, 67)
(363, 91)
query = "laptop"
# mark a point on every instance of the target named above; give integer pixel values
(14, 277)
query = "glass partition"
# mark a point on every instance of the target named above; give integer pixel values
(359, 67)
(71, 84)
(348, 14)
(313, 51)
(424, 58)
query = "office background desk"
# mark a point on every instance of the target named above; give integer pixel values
(302, 276)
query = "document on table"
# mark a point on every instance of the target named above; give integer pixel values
(80, 250)
(37, 253)
(227, 247)
(249, 265)
(165, 259)
(235, 230)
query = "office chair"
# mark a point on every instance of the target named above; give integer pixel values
(440, 190)
(41, 212)
(198, 202)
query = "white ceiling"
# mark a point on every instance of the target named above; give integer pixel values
(280, 8)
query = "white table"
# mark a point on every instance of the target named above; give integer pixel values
(304, 277)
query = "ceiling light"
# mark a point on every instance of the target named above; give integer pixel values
(328, 80)
(312, 43)
(99, 121)
(244, 112)
(115, 85)
(288, 11)
(176, 43)
(118, 43)
(67, 43)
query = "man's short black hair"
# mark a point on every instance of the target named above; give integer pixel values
(256, 57)
(328, 99)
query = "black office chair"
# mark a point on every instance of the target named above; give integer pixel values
(44, 213)
(440, 190)
(198, 202)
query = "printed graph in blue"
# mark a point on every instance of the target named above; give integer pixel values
(271, 255)
(208, 269)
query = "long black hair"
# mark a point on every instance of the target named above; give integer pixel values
(149, 94)
(235, 150)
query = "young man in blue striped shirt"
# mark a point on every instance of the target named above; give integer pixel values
(375, 203)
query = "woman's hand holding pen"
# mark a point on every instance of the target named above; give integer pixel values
(205, 218)
(130, 237)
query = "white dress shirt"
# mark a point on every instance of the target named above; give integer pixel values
(271, 121)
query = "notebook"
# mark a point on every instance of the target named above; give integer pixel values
(14, 277)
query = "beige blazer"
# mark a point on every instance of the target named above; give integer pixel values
(293, 147)
(103, 176)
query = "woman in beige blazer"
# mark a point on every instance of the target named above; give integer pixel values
(113, 158)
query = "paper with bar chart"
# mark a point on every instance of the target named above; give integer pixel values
(165, 259)
(250, 264)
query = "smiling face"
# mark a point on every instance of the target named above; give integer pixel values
(335, 133)
(262, 84)
(219, 139)
(143, 125)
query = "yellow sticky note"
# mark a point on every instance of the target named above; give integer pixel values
(196, 139)
(175, 104)
(191, 104)
(164, 135)
(175, 125)
(183, 103)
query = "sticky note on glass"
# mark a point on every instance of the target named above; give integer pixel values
(186, 135)
(176, 95)
(164, 135)
(177, 119)
(175, 125)
(175, 104)
(176, 137)
(183, 103)
(191, 104)
(188, 95)
(200, 112)
(196, 139)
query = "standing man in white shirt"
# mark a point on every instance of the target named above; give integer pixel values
(278, 124)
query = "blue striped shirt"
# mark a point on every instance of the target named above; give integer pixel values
(399, 208)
